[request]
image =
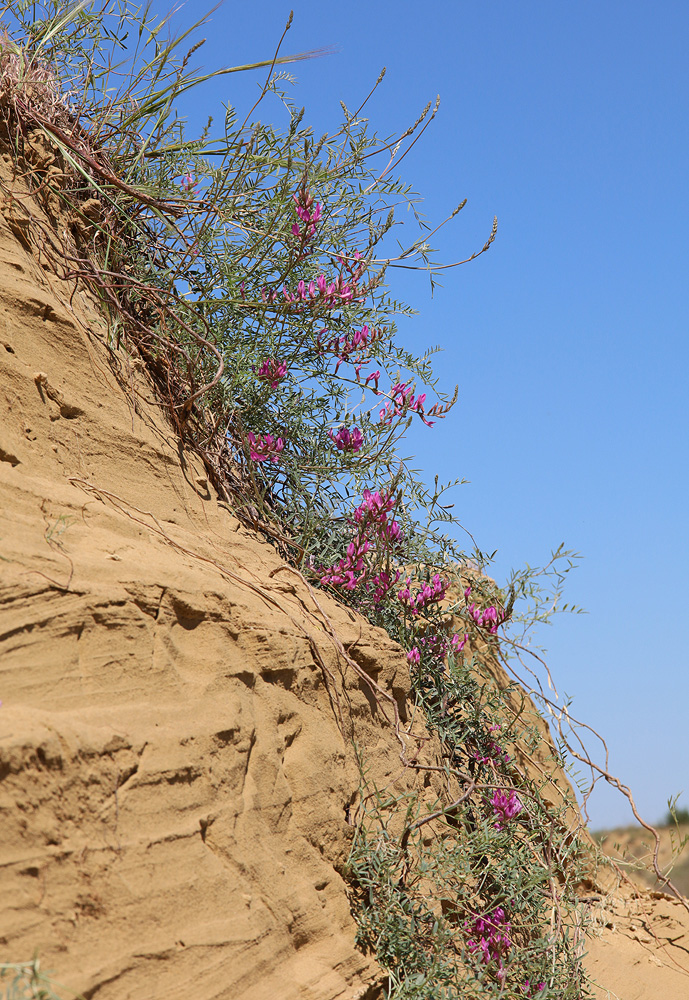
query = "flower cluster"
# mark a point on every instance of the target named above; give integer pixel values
(490, 618)
(307, 212)
(349, 571)
(272, 371)
(375, 533)
(346, 440)
(374, 510)
(429, 593)
(264, 446)
(403, 401)
(318, 292)
(437, 646)
(506, 806)
(321, 292)
(382, 583)
(356, 345)
(374, 506)
(526, 988)
(490, 938)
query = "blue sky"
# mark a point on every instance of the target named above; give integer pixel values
(569, 337)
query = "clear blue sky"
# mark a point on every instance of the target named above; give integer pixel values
(569, 338)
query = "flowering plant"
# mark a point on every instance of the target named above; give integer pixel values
(262, 313)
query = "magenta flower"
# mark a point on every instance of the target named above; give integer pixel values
(375, 507)
(402, 401)
(307, 212)
(382, 583)
(429, 593)
(490, 939)
(457, 644)
(414, 656)
(345, 440)
(349, 571)
(272, 371)
(374, 533)
(490, 618)
(505, 806)
(526, 988)
(373, 377)
(189, 184)
(264, 447)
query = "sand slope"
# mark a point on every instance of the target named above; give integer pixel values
(174, 778)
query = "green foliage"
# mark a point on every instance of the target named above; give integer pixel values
(676, 814)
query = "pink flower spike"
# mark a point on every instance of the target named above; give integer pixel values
(272, 371)
(264, 447)
(413, 656)
(457, 644)
(505, 806)
(295, 230)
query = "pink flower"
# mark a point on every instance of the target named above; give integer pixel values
(345, 440)
(490, 618)
(414, 656)
(307, 212)
(505, 806)
(429, 593)
(189, 184)
(272, 371)
(343, 572)
(382, 583)
(457, 644)
(490, 938)
(375, 535)
(375, 506)
(373, 377)
(403, 400)
(264, 446)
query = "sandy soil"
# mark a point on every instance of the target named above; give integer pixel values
(632, 848)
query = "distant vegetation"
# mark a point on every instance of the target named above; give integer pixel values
(676, 814)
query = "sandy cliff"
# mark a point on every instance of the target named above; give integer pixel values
(176, 757)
